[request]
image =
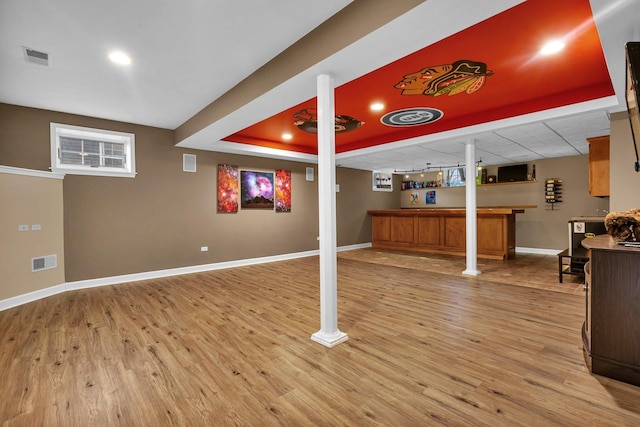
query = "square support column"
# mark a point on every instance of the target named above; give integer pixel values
(329, 335)
(471, 210)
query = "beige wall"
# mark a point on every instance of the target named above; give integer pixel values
(540, 227)
(625, 182)
(161, 218)
(353, 201)
(29, 200)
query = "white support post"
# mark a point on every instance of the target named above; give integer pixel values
(471, 210)
(329, 335)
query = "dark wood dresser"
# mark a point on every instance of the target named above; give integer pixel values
(611, 331)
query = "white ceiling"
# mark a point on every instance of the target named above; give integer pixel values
(186, 54)
(517, 143)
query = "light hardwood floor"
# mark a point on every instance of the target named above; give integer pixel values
(232, 347)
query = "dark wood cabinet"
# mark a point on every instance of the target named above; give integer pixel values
(611, 332)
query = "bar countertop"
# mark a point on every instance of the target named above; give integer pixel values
(481, 210)
(605, 242)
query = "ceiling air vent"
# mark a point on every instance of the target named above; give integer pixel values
(37, 57)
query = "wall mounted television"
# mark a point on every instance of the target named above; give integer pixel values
(512, 173)
(632, 94)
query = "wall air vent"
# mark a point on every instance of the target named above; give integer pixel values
(44, 263)
(37, 57)
(188, 162)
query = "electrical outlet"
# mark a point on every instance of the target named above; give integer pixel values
(36, 227)
(204, 248)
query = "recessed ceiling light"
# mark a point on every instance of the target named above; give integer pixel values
(287, 136)
(377, 106)
(120, 58)
(554, 46)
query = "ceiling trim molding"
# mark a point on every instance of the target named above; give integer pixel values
(257, 151)
(355, 21)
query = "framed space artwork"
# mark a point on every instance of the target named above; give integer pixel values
(283, 191)
(256, 190)
(227, 189)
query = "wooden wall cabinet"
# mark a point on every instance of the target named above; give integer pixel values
(599, 166)
(611, 331)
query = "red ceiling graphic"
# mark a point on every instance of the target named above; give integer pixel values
(518, 79)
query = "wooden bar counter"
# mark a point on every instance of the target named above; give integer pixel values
(444, 230)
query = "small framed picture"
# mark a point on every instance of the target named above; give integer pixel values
(414, 198)
(430, 197)
(382, 181)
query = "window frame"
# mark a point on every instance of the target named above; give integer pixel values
(127, 139)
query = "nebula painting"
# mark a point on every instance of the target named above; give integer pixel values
(256, 190)
(227, 189)
(283, 191)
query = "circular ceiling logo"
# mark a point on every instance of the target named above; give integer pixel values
(412, 117)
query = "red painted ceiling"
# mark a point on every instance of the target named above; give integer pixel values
(521, 81)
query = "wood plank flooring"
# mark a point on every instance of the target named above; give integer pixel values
(529, 270)
(232, 347)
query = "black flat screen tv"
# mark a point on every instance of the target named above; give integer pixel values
(632, 94)
(512, 173)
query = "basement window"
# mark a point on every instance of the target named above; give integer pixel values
(86, 151)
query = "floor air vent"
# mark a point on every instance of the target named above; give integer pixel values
(36, 57)
(44, 263)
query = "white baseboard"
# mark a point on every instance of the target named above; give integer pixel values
(538, 251)
(353, 247)
(114, 280)
(32, 296)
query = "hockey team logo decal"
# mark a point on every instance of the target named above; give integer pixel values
(412, 117)
(463, 76)
(307, 120)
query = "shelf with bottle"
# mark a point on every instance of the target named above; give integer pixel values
(412, 185)
(553, 192)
